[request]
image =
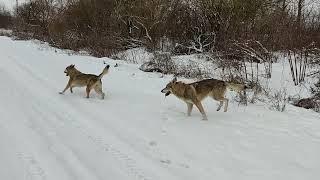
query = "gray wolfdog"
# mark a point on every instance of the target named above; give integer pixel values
(194, 93)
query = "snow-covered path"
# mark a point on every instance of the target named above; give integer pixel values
(136, 133)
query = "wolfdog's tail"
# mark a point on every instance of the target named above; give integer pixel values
(236, 87)
(105, 71)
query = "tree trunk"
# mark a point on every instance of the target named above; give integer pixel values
(298, 23)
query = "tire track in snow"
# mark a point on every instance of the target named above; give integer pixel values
(35, 171)
(129, 163)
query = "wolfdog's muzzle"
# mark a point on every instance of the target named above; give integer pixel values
(166, 91)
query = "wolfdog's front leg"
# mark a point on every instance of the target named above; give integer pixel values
(66, 88)
(200, 107)
(189, 108)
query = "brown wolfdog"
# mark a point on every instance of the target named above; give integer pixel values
(194, 93)
(79, 79)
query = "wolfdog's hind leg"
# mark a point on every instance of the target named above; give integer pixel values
(226, 102)
(88, 89)
(98, 89)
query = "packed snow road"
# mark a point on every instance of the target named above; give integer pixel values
(136, 133)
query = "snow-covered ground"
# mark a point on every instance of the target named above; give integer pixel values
(136, 133)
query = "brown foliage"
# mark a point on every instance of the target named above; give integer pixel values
(5, 17)
(104, 26)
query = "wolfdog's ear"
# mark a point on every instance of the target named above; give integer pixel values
(174, 79)
(72, 65)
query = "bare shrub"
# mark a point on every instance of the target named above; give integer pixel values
(315, 90)
(278, 100)
(192, 69)
(298, 61)
(314, 60)
(241, 97)
(135, 56)
(314, 54)
(317, 106)
(4, 32)
(201, 42)
(161, 62)
(257, 89)
(164, 62)
(33, 18)
(241, 63)
(312, 102)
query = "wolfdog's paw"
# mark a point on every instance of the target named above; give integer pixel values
(60, 92)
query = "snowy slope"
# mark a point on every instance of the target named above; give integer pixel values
(136, 133)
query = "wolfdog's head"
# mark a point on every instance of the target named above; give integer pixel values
(168, 89)
(69, 70)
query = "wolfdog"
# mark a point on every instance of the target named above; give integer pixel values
(194, 93)
(79, 79)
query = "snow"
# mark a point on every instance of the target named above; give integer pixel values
(10, 4)
(134, 55)
(137, 133)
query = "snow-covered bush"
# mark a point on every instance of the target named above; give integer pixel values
(5, 32)
(161, 62)
(278, 100)
(135, 55)
(185, 66)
